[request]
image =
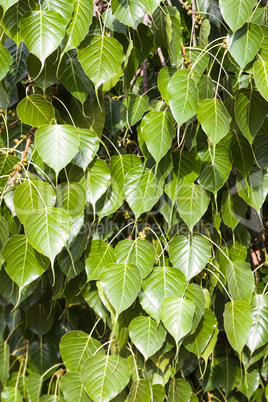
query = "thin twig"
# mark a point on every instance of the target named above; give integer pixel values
(14, 123)
(145, 76)
(135, 76)
(161, 57)
(193, 23)
(169, 3)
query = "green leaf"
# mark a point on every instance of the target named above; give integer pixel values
(186, 170)
(158, 132)
(142, 190)
(88, 147)
(250, 112)
(22, 263)
(4, 360)
(158, 393)
(121, 283)
(113, 120)
(214, 118)
(30, 196)
(34, 383)
(100, 254)
(243, 157)
(236, 20)
(238, 321)
(5, 61)
(140, 253)
(78, 27)
(98, 178)
(48, 230)
(71, 197)
(260, 74)
(42, 32)
(259, 331)
(162, 283)
(182, 96)
(215, 168)
(244, 43)
(48, 76)
(11, 394)
(192, 203)
(232, 208)
(254, 188)
(6, 4)
(104, 377)
(76, 347)
(101, 57)
(133, 108)
(75, 79)
(204, 33)
(111, 201)
(164, 77)
(40, 320)
(189, 254)
(146, 335)
(140, 392)
(4, 232)
(63, 139)
(72, 388)
(129, 12)
(179, 390)
(249, 383)
(42, 356)
(240, 280)
(150, 5)
(195, 294)
(177, 315)
(35, 110)
(63, 8)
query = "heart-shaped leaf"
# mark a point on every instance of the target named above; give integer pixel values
(71, 197)
(100, 254)
(240, 280)
(260, 73)
(22, 263)
(140, 253)
(63, 139)
(121, 283)
(146, 335)
(48, 230)
(129, 12)
(236, 20)
(189, 254)
(76, 347)
(72, 388)
(5, 61)
(238, 319)
(35, 110)
(177, 315)
(259, 331)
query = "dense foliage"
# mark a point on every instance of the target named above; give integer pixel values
(133, 179)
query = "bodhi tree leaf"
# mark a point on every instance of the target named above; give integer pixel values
(98, 178)
(162, 283)
(158, 132)
(189, 254)
(121, 283)
(22, 262)
(140, 392)
(182, 96)
(140, 253)
(250, 112)
(63, 139)
(30, 196)
(129, 12)
(104, 377)
(78, 27)
(146, 335)
(35, 110)
(192, 203)
(236, 20)
(259, 331)
(238, 319)
(42, 32)
(177, 315)
(179, 390)
(244, 43)
(133, 108)
(233, 208)
(63, 8)
(100, 254)
(76, 347)
(240, 280)
(5, 61)
(72, 388)
(214, 119)
(88, 147)
(101, 58)
(260, 73)
(57, 225)
(71, 197)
